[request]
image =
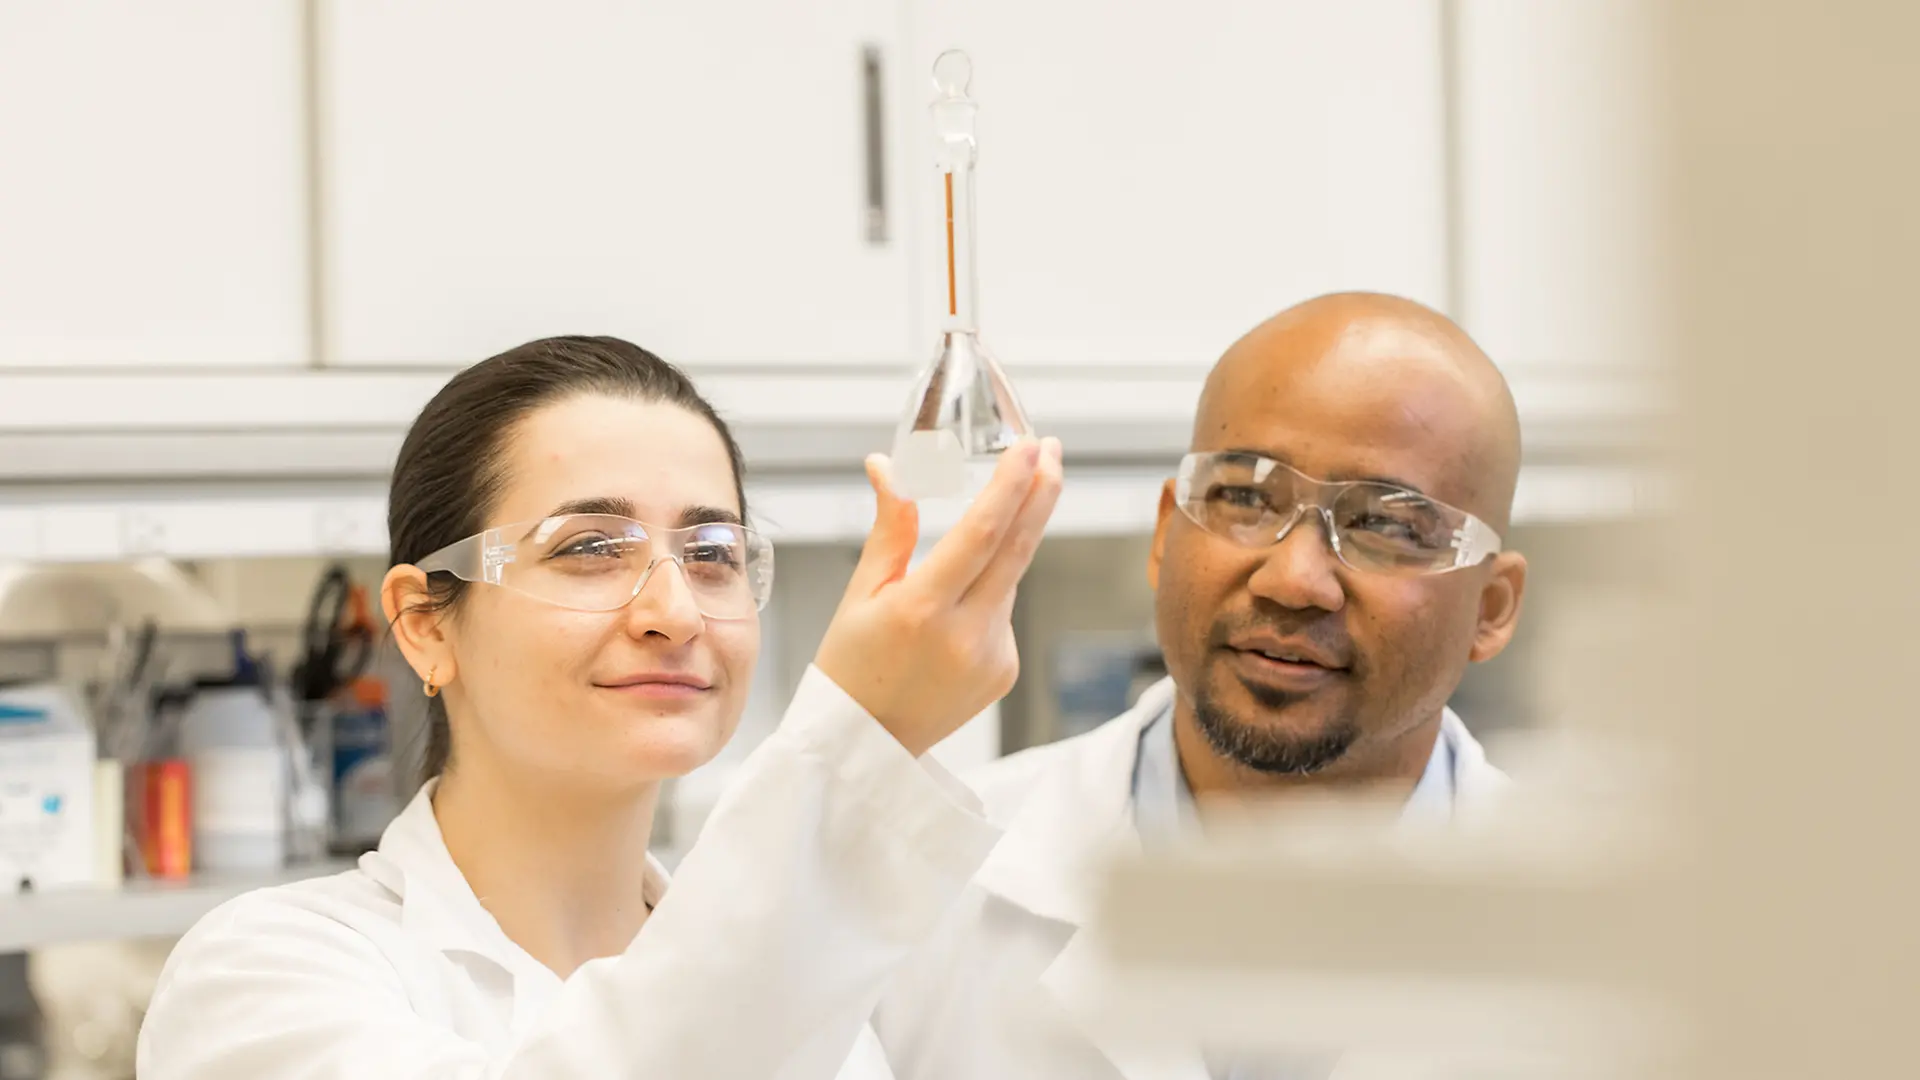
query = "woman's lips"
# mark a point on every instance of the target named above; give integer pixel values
(662, 691)
(663, 685)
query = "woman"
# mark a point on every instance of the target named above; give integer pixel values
(511, 924)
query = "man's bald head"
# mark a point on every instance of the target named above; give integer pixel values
(1402, 355)
(1290, 661)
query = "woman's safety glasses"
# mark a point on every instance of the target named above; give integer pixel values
(1256, 501)
(599, 562)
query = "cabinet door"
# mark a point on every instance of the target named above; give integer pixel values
(694, 177)
(1556, 123)
(1154, 179)
(152, 200)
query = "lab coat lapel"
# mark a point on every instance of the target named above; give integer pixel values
(1477, 785)
(438, 907)
(1048, 865)
(1072, 978)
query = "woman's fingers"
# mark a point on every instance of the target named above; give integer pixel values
(896, 531)
(957, 560)
(926, 656)
(997, 583)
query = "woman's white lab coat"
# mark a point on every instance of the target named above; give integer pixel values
(831, 858)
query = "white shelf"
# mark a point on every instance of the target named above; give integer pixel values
(105, 467)
(264, 425)
(138, 909)
(295, 520)
(205, 402)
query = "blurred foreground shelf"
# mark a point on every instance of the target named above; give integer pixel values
(138, 909)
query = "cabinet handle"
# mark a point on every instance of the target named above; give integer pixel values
(873, 117)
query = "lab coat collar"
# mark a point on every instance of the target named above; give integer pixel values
(1078, 812)
(1477, 784)
(438, 906)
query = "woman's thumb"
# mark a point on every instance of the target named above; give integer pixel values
(896, 529)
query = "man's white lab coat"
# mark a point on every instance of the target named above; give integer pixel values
(996, 993)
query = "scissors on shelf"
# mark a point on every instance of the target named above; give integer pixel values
(337, 640)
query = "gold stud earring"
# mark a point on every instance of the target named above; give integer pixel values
(427, 684)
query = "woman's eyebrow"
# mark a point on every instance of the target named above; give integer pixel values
(619, 507)
(616, 507)
(708, 515)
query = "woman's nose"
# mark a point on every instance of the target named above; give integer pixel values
(665, 604)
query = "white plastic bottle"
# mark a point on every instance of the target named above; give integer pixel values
(230, 738)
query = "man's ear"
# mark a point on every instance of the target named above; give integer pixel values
(1158, 551)
(1500, 601)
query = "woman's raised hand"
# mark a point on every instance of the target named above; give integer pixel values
(926, 650)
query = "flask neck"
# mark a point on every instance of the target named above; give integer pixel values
(962, 300)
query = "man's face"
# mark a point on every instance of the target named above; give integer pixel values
(1382, 653)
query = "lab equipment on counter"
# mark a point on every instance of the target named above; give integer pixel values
(236, 749)
(121, 698)
(46, 789)
(341, 740)
(239, 789)
(338, 642)
(160, 794)
(109, 822)
(121, 704)
(365, 799)
(963, 409)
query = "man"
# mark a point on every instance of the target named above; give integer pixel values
(1325, 567)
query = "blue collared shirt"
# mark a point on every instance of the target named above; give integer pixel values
(1163, 802)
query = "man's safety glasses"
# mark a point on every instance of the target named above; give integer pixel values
(1256, 501)
(599, 562)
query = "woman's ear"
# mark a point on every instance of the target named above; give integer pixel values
(419, 629)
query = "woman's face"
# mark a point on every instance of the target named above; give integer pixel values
(566, 692)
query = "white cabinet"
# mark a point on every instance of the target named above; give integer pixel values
(152, 203)
(1155, 179)
(1556, 121)
(694, 177)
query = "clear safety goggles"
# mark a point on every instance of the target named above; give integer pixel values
(1256, 501)
(600, 562)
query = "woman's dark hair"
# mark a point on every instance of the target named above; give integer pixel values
(451, 469)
